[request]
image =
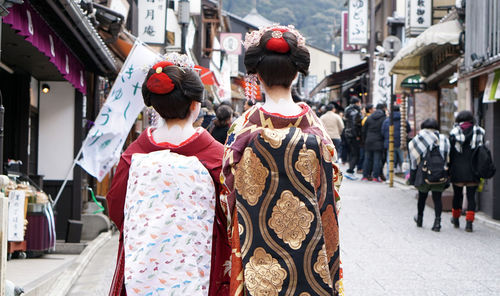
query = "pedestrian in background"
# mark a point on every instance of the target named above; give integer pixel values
(159, 248)
(373, 145)
(424, 145)
(222, 122)
(334, 125)
(398, 153)
(365, 112)
(352, 116)
(464, 138)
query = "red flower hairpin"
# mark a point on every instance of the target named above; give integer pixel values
(159, 83)
(277, 43)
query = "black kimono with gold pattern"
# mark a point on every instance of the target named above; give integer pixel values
(281, 199)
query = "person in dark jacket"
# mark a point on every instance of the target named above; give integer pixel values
(426, 140)
(224, 116)
(352, 133)
(374, 144)
(398, 153)
(464, 138)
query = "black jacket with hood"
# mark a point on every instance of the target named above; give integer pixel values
(372, 131)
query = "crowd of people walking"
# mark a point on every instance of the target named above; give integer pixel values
(212, 203)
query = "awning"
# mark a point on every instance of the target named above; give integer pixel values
(29, 24)
(407, 61)
(339, 78)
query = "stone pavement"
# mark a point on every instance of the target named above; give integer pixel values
(98, 275)
(384, 253)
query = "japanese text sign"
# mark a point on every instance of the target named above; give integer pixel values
(17, 198)
(102, 147)
(152, 20)
(418, 16)
(381, 82)
(358, 22)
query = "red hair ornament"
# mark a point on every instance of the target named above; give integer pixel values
(277, 43)
(159, 83)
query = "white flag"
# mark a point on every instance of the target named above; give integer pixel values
(102, 148)
(381, 82)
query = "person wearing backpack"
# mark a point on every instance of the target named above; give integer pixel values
(465, 137)
(164, 197)
(429, 154)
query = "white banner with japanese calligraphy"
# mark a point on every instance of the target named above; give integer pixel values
(381, 82)
(358, 22)
(17, 199)
(152, 20)
(102, 147)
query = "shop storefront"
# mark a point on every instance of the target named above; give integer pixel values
(51, 60)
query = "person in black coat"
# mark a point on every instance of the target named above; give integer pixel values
(222, 123)
(374, 144)
(464, 138)
(352, 133)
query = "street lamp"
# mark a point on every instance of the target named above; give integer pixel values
(183, 18)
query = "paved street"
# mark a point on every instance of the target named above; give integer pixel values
(384, 253)
(97, 277)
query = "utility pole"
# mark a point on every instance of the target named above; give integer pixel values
(391, 125)
(371, 49)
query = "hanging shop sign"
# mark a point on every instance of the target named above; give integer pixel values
(381, 82)
(345, 33)
(29, 24)
(231, 43)
(413, 82)
(102, 147)
(492, 90)
(152, 19)
(418, 16)
(358, 22)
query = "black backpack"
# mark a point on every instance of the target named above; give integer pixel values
(482, 163)
(434, 169)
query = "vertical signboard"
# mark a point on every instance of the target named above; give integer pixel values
(381, 82)
(345, 33)
(152, 19)
(358, 22)
(17, 199)
(418, 16)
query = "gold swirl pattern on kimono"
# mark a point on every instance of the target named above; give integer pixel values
(250, 177)
(263, 274)
(304, 294)
(291, 220)
(274, 137)
(308, 166)
(321, 267)
(330, 230)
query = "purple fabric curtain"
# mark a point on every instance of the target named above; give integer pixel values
(28, 23)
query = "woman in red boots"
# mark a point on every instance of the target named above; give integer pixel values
(464, 138)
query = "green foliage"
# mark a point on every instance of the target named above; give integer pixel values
(317, 20)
